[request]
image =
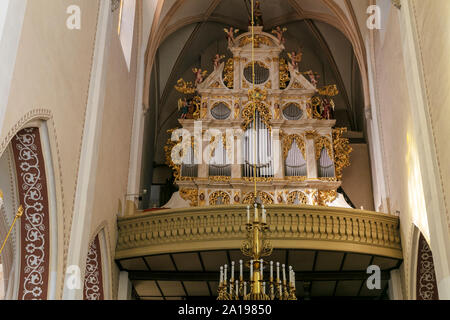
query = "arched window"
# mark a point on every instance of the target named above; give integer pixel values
(261, 140)
(326, 165)
(126, 28)
(295, 164)
(219, 164)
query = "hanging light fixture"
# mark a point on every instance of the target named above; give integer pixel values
(261, 285)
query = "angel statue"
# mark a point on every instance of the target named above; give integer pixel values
(296, 58)
(279, 33)
(230, 35)
(183, 106)
(312, 77)
(199, 76)
(217, 59)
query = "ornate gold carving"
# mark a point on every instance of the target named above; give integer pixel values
(326, 196)
(220, 178)
(294, 194)
(228, 78)
(185, 87)
(216, 85)
(296, 178)
(214, 197)
(327, 178)
(284, 74)
(168, 151)
(268, 85)
(257, 95)
(249, 198)
(244, 84)
(287, 144)
(310, 134)
(297, 85)
(323, 142)
(258, 40)
(342, 151)
(258, 179)
(264, 113)
(190, 195)
(330, 90)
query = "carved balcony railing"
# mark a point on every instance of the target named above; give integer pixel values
(291, 227)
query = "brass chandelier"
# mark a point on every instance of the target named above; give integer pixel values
(256, 246)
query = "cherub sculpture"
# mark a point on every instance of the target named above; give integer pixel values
(312, 77)
(230, 35)
(199, 76)
(217, 59)
(278, 31)
(296, 58)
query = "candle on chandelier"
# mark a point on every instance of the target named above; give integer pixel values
(248, 214)
(290, 275)
(251, 270)
(232, 271)
(271, 270)
(264, 215)
(241, 272)
(278, 271)
(284, 272)
(264, 288)
(237, 288)
(221, 274)
(261, 266)
(256, 212)
(245, 288)
(225, 274)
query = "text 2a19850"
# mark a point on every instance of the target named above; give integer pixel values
(246, 309)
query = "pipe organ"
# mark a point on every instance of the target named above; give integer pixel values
(299, 154)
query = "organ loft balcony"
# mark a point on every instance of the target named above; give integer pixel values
(329, 247)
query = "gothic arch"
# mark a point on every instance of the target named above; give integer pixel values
(97, 275)
(33, 149)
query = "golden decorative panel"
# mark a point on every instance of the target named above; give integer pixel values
(294, 194)
(326, 196)
(323, 142)
(287, 144)
(284, 74)
(228, 74)
(249, 198)
(258, 40)
(190, 195)
(248, 114)
(214, 197)
(342, 151)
